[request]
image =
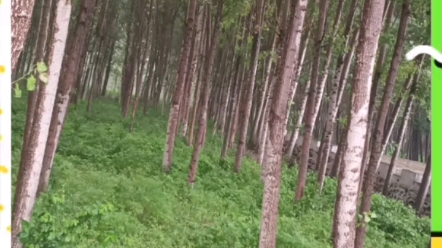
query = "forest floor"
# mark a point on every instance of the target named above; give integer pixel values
(107, 190)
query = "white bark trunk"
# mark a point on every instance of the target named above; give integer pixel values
(27, 186)
(275, 139)
(346, 202)
(5, 124)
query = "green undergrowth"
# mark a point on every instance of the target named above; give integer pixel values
(107, 190)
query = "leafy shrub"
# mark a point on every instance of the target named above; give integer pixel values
(107, 190)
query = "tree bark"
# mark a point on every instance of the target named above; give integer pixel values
(69, 75)
(278, 107)
(232, 108)
(333, 105)
(29, 174)
(425, 184)
(179, 87)
(33, 95)
(246, 104)
(313, 101)
(375, 156)
(344, 219)
(376, 78)
(193, 63)
(402, 129)
(20, 22)
(298, 125)
(260, 119)
(205, 93)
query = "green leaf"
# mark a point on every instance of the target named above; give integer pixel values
(373, 215)
(41, 67)
(367, 219)
(17, 91)
(31, 83)
(44, 77)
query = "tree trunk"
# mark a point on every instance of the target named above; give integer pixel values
(313, 101)
(375, 156)
(190, 139)
(344, 219)
(108, 69)
(246, 104)
(179, 87)
(376, 78)
(402, 129)
(205, 93)
(28, 178)
(20, 24)
(5, 123)
(296, 75)
(128, 68)
(193, 63)
(232, 109)
(295, 134)
(288, 59)
(260, 119)
(69, 75)
(425, 184)
(33, 95)
(323, 154)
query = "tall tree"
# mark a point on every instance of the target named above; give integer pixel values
(246, 103)
(205, 93)
(336, 90)
(344, 220)
(179, 87)
(386, 23)
(29, 173)
(402, 129)
(74, 54)
(287, 61)
(40, 57)
(313, 100)
(375, 156)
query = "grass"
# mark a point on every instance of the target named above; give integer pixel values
(107, 190)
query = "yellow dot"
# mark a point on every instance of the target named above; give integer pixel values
(3, 169)
(1, 138)
(2, 69)
(8, 229)
(1, 208)
(1, 111)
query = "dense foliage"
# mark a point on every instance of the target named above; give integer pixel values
(107, 190)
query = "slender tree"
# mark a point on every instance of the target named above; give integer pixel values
(375, 156)
(179, 88)
(246, 103)
(425, 184)
(204, 99)
(313, 101)
(276, 125)
(33, 95)
(402, 129)
(74, 54)
(29, 173)
(344, 220)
